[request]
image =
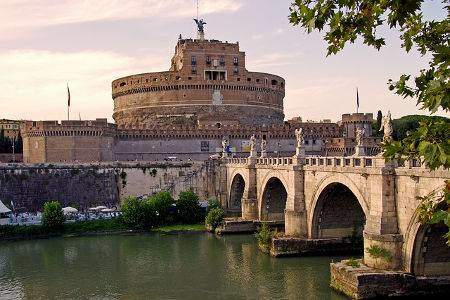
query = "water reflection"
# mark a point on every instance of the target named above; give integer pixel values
(157, 266)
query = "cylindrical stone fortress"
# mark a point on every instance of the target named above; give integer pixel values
(207, 80)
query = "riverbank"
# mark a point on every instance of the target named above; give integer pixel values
(93, 227)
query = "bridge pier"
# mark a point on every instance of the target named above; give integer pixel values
(295, 217)
(382, 241)
(249, 209)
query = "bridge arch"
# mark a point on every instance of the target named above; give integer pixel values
(273, 198)
(425, 250)
(236, 193)
(337, 209)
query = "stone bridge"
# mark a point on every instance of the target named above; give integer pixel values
(335, 197)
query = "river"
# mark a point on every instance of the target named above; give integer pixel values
(153, 266)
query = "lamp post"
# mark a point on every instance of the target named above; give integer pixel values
(14, 148)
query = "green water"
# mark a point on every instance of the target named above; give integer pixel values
(194, 266)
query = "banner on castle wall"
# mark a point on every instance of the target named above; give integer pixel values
(245, 146)
(231, 150)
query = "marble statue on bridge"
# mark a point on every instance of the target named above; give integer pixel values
(253, 152)
(299, 149)
(263, 148)
(386, 126)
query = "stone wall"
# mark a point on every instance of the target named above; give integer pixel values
(29, 187)
(88, 185)
(193, 148)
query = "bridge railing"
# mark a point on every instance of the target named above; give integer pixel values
(275, 161)
(236, 160)
(340, 161)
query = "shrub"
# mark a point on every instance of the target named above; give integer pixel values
(264, 236)
(352, 262)
(149, 215)
(379, 252)
(189, 210)
(162, 204)
(214, 218)
(213, 203)
(53, 216)
(132, 212)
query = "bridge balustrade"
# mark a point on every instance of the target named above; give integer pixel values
(339, 161)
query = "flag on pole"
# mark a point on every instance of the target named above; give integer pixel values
(68, 95)
(357, 100)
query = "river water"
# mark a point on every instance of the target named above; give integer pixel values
(153, 266)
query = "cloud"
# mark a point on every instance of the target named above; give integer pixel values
(257, 36)
(274, 59)
(20, 14)
(36, 81)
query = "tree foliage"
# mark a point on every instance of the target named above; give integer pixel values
(347, 20)
(189, 210)
(162, 203)
(53, 216)
(6, 143)
(214, 218)
(344, 21)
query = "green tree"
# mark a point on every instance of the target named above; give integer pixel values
(213, 203)
(53, 216)
(189, 210)
(347, 20)
(132, 212)
(214, 218)
(162, 203)
(379, 118)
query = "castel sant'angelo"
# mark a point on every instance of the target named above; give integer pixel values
(208, 95)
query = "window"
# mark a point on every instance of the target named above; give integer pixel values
(204, 146)
(235, 71)
(194, 70)
(249, 79)
(235, 61)
(222, 61)
(193, 60)
(208, 60)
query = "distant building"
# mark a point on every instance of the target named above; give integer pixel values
(11, 128)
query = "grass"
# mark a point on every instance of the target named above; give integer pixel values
(352, 262)
(379, 252)
(34, 231)
(95, 225)
(180, 227)
(92, 226)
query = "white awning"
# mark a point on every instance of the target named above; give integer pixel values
(3, 208)
(69, 210)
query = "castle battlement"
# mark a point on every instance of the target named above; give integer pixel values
(357, 118)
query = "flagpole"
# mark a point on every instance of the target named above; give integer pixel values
(68, 103)
(357, 100)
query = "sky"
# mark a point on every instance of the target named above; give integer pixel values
(45, 44)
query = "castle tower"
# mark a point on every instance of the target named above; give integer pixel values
(352, 122)
(208, 79)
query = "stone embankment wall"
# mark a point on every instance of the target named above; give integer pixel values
(28, 187)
